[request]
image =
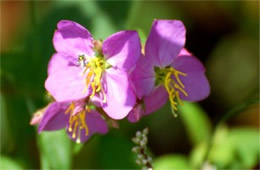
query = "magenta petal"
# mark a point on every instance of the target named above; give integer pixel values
(143, 77)
(122, 49)
(67, 84)
(95, 124)
(57, 63)
(152, 103)
(135, 114)
(196, 83)
(71, 40)
(120, 96)
(156, 100)
(54, 117)
(166, 39)
(184, 51)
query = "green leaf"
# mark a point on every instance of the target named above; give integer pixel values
(55, 149)
(196, 122)
(171, 162)
(198, 154)
(238, 148)
(222, 151)
(231, 148)
(8, 163)
(246, 143)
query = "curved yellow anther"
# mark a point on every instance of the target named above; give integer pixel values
(176, 74)
(181, 89)
(174, 88)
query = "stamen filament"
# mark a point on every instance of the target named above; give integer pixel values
(93, 89)
(70, 108)
(77, 121)
(75, 129)
(178, 98)
(173, 87)
(89, 76)
(86, 68)
(83, 122)
(176, 75)
(103, 95)
(96, 66)
(179, 88)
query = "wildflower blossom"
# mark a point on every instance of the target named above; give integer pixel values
(167, 71)
(80, 121)
(84, 67)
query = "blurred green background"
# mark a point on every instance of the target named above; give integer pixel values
(221, 131)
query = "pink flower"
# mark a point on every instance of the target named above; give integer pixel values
(167, 71)
(83, 67)
(81, 122)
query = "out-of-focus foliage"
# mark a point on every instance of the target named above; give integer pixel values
(224, 35)
(236, 52)
(7, 163)
(231, 148)
(55, 150)
(195, 121)
(172, 162)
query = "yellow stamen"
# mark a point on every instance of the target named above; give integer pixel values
(75, 129)
(96, 66)
(77, 121)
(70, 108)
(174, 87)
(88, 78)
(83, 122)
(179, 88)
(104, 95)
(98, 78)
(86, 68)
(93, 89)
(176, 74)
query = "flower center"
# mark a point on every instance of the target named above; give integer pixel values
(77, 121)
(169, 78)
(93, 71)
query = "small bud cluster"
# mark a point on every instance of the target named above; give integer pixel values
(143, 159)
